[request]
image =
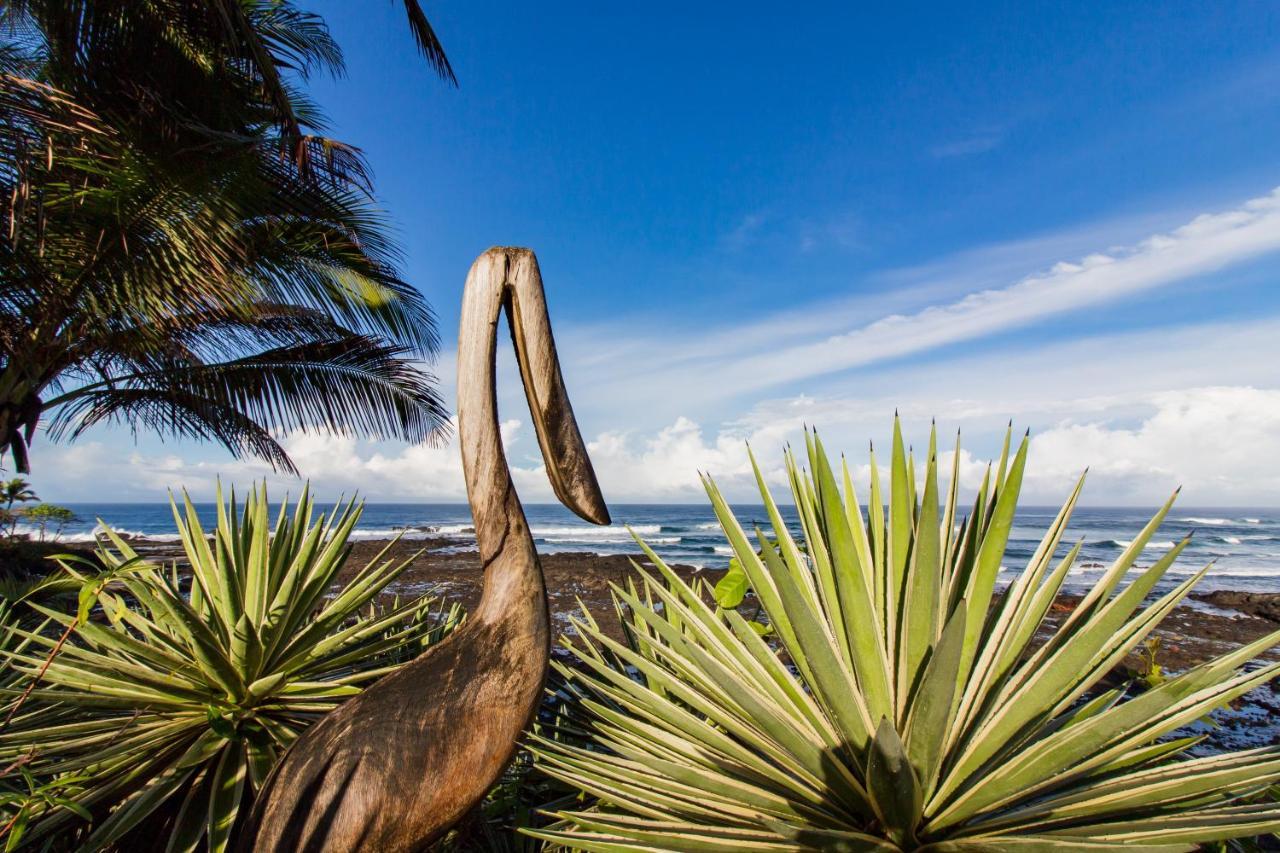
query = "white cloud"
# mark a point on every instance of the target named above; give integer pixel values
(1217, 442)
(752, 357)
(1206, 243)
(978, 142)
(1146, 408)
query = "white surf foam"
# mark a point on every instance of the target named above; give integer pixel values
(591, 541)
(1125, 543)
(618, 533)
(92, 535)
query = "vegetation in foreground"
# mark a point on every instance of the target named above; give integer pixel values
(164, 713)
(907, 707)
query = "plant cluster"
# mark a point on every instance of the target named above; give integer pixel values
(168, 697)
(906, 703)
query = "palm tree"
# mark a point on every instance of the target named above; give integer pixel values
(16, 490)
(184, 252)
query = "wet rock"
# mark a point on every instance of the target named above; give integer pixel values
(1262, 604)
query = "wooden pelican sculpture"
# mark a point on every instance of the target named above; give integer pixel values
(394, 768)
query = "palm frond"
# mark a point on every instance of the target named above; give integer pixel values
(428, 43)
(148, 214)
(170, 412)
(351, 384)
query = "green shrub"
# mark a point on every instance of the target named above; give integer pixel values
(174, 706)
(44, 514)
(906, 705)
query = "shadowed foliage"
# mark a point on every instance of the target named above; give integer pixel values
(183, 249)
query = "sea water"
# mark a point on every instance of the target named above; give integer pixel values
(1243, 544)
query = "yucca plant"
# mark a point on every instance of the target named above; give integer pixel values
(176, 702)
(907, 704)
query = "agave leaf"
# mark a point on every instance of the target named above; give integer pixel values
(823, 541)
(1052, 679)
(1042, 844)
(921, 603)
(754, 661)
(901, 522)
(1115, 573)
(139, 807)
(927, 724)
(879, 565)
(813, 641)
(175, 701)
(869, 657)
(987, 562)
(1201, 825)
(1130, 793)
(894, 788)
(1021, 612)
(224, 801)
(705, 736)
(619, 833)
(949, 523)
(192, 821)
(1076, 750)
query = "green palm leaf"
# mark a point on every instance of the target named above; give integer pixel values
(164, 235)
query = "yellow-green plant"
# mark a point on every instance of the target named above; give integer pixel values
(178, 700)
(907, 704)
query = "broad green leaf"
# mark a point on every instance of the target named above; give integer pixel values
(732, 588)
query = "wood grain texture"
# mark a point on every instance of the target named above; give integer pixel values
(394, 768)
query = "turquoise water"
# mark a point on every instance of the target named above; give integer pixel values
(1243, 543)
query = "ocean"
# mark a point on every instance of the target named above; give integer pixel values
(1242, 543)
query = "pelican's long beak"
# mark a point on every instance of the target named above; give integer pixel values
(568, 465)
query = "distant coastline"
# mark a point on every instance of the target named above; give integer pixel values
(1243, 543)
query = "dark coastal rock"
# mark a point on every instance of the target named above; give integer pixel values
(1265, 605)
(25, 559)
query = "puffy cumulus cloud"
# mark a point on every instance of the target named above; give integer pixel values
(1221, 444)
(665, 465)
(333, 464)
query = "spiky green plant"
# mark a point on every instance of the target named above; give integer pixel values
(178, 701)
(908, 705)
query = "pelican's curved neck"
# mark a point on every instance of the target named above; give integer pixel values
(502, 535)
(505, 277)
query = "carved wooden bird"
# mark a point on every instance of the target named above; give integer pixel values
(395, 767)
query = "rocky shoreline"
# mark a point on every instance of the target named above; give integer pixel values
(1207, 625)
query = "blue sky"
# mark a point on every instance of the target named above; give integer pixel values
(750, 218)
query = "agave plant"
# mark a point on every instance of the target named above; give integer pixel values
(907, 703)
(177, 702)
